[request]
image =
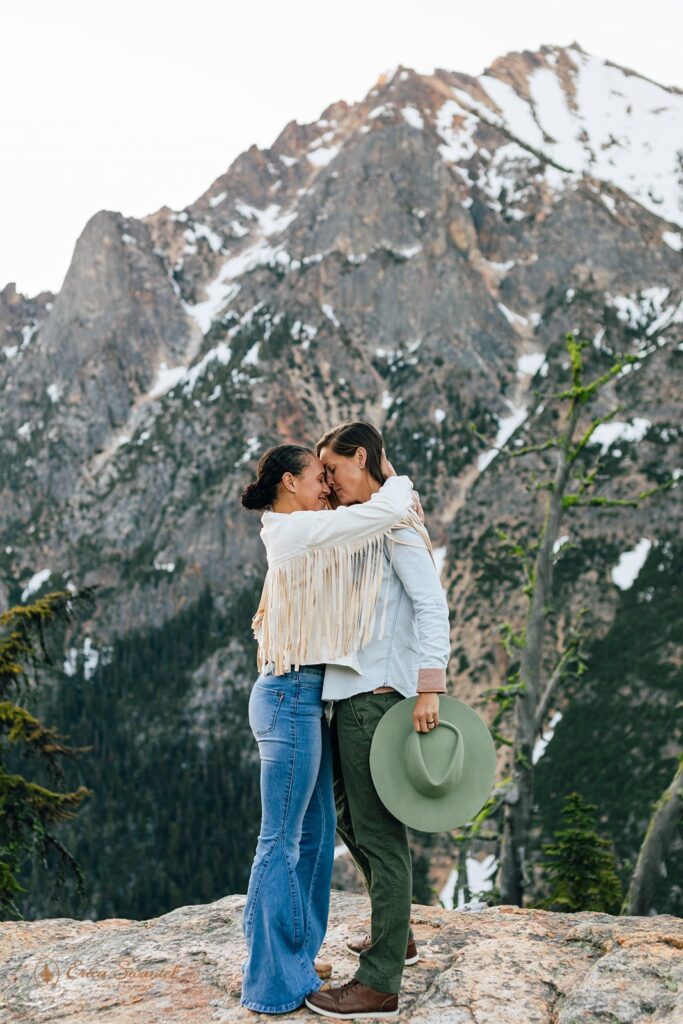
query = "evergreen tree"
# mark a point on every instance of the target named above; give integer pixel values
(581, 873)
(28, 808)
(174, 767)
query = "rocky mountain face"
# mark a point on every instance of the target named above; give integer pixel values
(491, 965)
(415, 259)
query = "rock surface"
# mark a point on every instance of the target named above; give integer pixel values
(496, 965)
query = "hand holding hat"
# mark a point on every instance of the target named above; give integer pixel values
(438, 780)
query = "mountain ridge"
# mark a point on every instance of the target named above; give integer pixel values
(407, 258)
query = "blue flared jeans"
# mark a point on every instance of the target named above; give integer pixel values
(288, 896)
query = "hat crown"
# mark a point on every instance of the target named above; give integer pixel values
(417, 769)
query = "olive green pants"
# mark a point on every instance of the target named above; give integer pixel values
(377, 841)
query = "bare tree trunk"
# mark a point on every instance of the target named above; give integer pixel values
(535, 691)
(655, 847)
(514, 873)
(463, 881)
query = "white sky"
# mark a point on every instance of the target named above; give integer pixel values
(139, 104)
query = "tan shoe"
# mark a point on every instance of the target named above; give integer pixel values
(361, 942)
(353, 1001)
(323, 969)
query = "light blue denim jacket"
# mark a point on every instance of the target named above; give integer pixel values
(413, 652)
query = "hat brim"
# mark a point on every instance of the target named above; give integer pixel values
(397, 792)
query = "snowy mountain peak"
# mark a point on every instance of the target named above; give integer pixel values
(587, 115)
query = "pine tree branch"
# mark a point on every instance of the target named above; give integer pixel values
(514, 453)
(583, 441)
(574, 500)
(581, 393)
(573, 651)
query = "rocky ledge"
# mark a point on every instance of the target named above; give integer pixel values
(491, 965)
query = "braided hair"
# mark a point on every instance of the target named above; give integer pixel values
(273, 464)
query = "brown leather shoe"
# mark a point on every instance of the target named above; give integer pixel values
(353, 1001)
(361, 942)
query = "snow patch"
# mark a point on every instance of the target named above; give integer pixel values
(35, 583)
(642, 309)
(322, 157)
(621, 127)
(202, 231)
(500, 268)
(510, 316)
(385, 108)
(560, 542)
(625, 572)
(413, 117)
(543, 740)
(329, 313)
(530, 364)
(605, 434)
(221, 353)
(167, 378)
(91, 658)
(409, 251)
(253, 445)
(458, 143)
(674, 239)
(439, 559)
(251, 358)
(219, 295)
(506, 428)
(164, 566)
(27, 333)
(303, 333)
(609, 202)
(480, 875)
(271, 221)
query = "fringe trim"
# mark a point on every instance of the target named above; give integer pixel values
(321, 605)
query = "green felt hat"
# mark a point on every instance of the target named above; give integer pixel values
(437, 780)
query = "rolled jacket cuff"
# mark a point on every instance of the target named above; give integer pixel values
(431, 680)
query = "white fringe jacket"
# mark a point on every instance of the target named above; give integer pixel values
(324, 578)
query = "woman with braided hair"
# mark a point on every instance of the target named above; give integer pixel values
(317, 606)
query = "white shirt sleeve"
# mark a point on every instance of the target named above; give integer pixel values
(416, 570)
(303, 529)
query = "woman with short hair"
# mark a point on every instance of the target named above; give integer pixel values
(406, 656)
(317, 606)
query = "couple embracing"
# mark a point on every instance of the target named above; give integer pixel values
(352, 613)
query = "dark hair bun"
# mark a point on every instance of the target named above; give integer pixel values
(254, 495)
(273, 464)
